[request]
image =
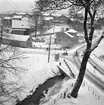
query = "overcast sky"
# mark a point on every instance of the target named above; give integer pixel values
(16, 5)
(19, 5)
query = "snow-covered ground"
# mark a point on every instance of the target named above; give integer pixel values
(100, 49)
(86, 97)
(38, 70)
(88, 94)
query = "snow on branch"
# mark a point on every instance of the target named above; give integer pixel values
(97, 43)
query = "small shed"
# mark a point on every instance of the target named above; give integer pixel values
(62, 19)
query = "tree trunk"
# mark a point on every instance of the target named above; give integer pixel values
(80, 77)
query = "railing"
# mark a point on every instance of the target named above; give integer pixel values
(67, 90)
(54, 100)
(99, 96)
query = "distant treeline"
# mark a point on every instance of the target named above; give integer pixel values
(78, 25)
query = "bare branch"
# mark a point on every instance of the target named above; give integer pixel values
(9, 68)
(92, 27)
(97, 43)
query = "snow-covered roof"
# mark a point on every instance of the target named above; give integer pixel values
(7, 18)
(72, 31)
(54, 29)
(21, 13)
(48, 18)
(69, 34)
(17, 17)
(16, 37)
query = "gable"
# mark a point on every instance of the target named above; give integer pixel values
(62, 19)
(71, 36)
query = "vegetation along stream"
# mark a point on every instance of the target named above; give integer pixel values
(43, 89)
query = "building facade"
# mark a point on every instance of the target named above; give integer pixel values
(66, 39)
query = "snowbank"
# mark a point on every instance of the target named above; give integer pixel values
(37, 71)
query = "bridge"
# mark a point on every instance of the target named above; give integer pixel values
(65, 69)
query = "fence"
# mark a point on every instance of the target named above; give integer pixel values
(59, 95)
(99, 96)
(67, 90)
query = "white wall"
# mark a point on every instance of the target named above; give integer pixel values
(23, 23)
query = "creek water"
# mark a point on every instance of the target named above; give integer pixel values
(35, 98)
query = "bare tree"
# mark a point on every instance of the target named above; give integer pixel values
(36, 18)
(90, 8)
(1, 30)
(9, 74)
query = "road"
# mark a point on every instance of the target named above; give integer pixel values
(97, 67)
(91, 76)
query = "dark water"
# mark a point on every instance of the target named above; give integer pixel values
(34, 99)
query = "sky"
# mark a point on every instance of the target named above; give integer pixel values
(16, 5)
(19, 5)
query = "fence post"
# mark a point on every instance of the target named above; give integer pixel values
(88, 88)
(83, 83)
(98, 97)
(54, 101)
(93, 92)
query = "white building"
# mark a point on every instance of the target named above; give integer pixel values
(20, 22)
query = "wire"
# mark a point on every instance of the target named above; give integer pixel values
(11, 5)
(15, 5)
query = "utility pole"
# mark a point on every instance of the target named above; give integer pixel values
(1, 31)
(49, 49)
(50, 44)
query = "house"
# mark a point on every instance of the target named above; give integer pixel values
(20, 25)
(72, 32)
(62, 19)
(54, 29)
(65, 39)
(20, 22)
(77, 25)
(17, 40)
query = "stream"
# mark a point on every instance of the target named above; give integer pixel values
(43, 89)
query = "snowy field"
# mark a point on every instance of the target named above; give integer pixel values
(37, 70)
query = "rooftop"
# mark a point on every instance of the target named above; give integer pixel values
(16, 37)
(17, 17)
(72, 31)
